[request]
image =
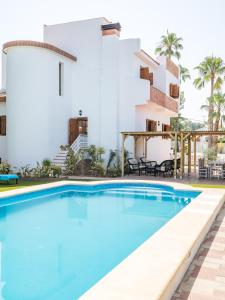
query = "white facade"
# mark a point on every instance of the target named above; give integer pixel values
(104, 83)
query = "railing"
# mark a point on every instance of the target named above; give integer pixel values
(162, 99)
(81, 142)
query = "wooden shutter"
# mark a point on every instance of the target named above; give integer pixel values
(151, 125)
(165, 127)
(174, 90)
(2, 125)
(144, 73)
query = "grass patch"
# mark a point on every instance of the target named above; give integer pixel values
(23, 183)
(26, 183)
(211, 186)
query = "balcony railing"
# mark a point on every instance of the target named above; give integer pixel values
(163, 100)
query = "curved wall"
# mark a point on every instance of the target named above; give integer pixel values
(37, 117)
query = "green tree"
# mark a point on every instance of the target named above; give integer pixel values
(170, 45)
(211, 70)
(218, 102)
(184, 74)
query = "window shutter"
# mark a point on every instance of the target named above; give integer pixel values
(3, 125)
(174, 90)
(144, 73)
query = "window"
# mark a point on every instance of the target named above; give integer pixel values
(151, 125)
(2, 125)
(60, 79)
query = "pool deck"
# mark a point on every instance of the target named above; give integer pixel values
(205, 278)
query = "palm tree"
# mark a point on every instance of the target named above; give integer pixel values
(182, 100)
(219, 104)
(218, 101)
(184, 74)
(211, 70)
(170, 45)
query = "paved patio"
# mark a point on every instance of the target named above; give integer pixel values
(205, 278)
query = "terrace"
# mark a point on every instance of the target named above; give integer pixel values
(179, 138)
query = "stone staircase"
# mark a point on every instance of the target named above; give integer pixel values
(60, 158)
(81, 142)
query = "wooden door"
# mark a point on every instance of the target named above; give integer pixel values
(77, 126)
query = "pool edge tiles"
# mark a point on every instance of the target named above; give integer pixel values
(154, 270)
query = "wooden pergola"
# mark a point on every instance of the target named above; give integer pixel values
(176, 136)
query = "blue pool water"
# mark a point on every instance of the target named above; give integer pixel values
(56, 243)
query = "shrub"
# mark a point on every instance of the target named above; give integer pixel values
(113, 168)
(46, 169)
(211, 154)
(5, 168)
(56, 171)
(26, 171)
(97, 169)
(71, 162)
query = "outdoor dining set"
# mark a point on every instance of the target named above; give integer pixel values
(214, 169)
(150, 167)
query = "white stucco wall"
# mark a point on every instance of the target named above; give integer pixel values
(4, 62)
(158, 149)
(3, 154)
(163, 78)
(84, 40)
(37, 117)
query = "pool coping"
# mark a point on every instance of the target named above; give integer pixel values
(155, 269)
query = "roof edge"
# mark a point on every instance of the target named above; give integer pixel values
(29, 43)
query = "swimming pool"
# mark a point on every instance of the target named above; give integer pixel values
(57, 243)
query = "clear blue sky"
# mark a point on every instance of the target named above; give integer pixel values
(201, 24)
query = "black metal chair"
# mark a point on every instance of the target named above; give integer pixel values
(149, 164)
(135, 166)
(165, 168)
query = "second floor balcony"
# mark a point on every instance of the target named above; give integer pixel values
(163, 100)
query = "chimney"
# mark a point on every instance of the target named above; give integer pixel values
(111, 29)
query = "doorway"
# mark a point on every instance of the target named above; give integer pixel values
(77, 126)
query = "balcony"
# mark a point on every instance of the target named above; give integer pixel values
(163, 100)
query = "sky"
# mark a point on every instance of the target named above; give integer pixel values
(201, 24)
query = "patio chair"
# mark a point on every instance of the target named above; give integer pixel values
(135, 166)
(203, 172)
(165, 168)
(149, 164)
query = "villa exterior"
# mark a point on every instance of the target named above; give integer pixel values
(83, 79)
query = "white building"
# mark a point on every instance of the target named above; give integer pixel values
(82, 79)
